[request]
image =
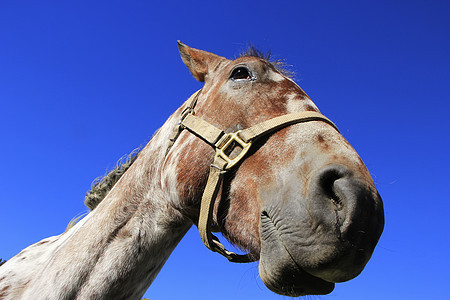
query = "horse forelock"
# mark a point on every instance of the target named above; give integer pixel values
(279, 64)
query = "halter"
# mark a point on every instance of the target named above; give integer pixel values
(224, 144)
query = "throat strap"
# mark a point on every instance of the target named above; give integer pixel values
(225, 144)
(189, 109)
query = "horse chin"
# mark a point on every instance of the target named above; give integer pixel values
(293, 282)
(282, 275)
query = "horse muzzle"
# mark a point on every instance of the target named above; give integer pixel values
(323, 234)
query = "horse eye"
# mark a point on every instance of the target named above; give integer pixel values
(240, 73)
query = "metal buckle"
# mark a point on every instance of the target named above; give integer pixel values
(223, 148)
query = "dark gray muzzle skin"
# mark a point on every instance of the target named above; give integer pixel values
(312, 242)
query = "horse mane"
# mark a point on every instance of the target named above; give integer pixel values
(279, 64)
(101, 186)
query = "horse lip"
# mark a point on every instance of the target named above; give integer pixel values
(296, 281)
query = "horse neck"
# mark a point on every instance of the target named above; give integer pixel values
(114, 252)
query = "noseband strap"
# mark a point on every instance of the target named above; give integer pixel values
(224, 144)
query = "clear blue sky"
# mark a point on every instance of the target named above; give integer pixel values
(84, 82)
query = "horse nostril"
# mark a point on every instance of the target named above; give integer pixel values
(327, 182)
(342, 202)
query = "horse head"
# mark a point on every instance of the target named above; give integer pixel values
(301, 200)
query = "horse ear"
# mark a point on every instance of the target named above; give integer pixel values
(199, 62)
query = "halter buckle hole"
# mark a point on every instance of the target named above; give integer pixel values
(233, 146)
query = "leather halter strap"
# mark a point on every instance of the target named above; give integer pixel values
(224, 143)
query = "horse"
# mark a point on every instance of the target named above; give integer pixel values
(250, 156)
